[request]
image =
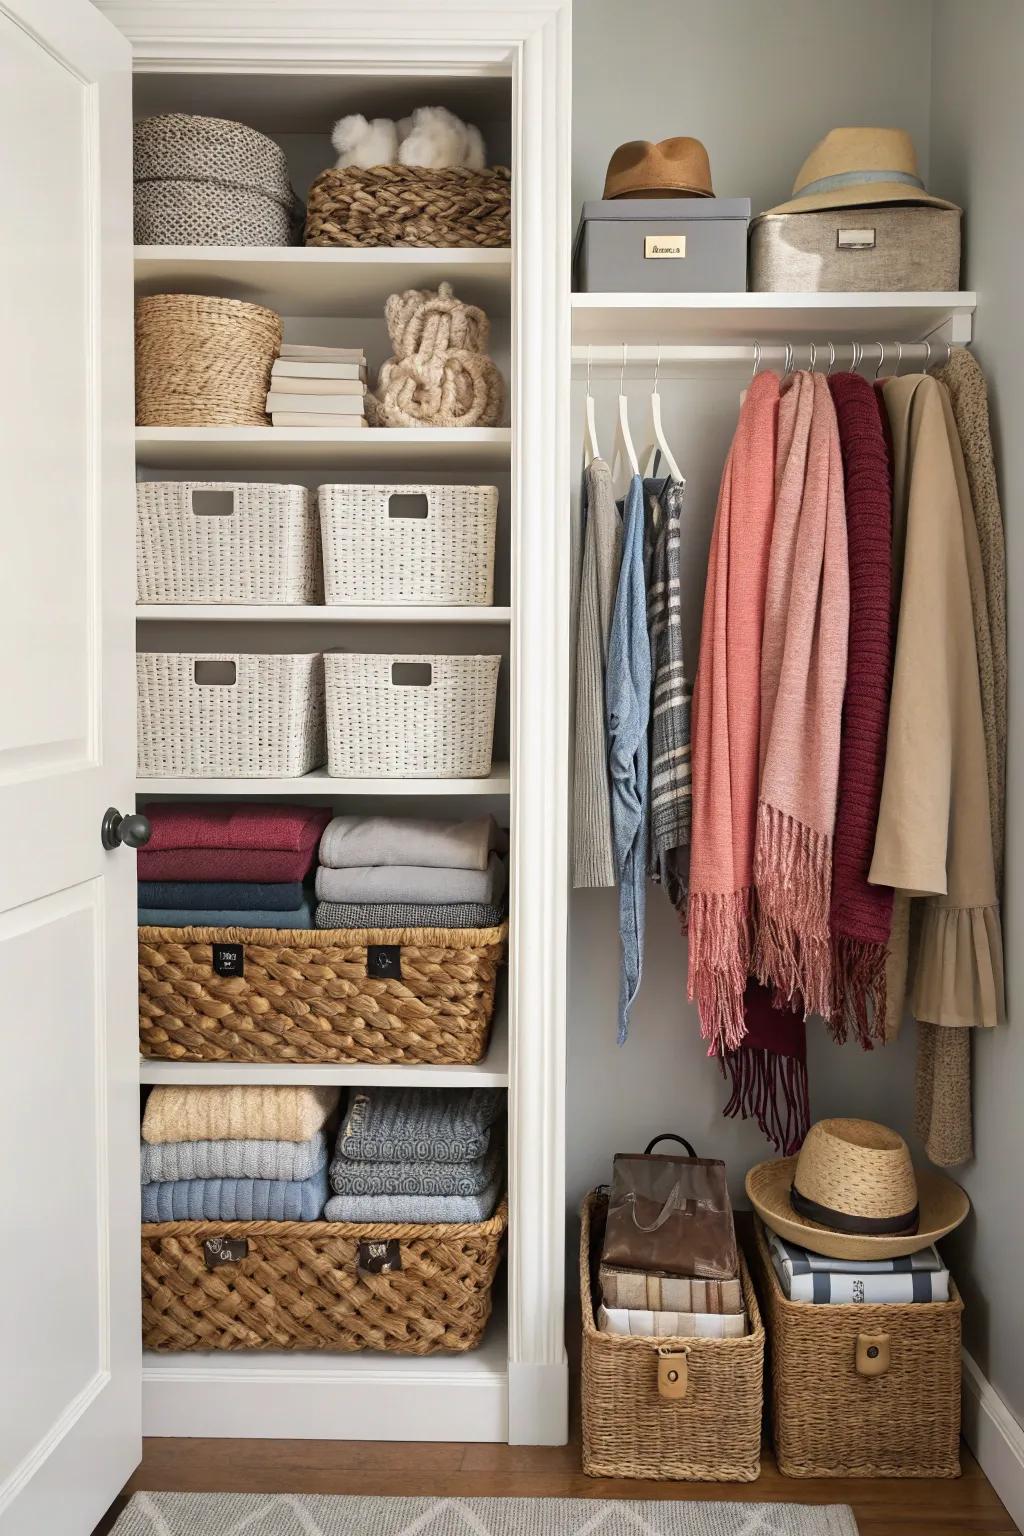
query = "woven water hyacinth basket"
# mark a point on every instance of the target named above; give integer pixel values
(710, 1433)
(203, 362)
(309, 995)
(838, 1410)
(409, 205)
(299, 1285)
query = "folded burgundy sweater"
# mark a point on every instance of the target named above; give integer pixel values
(270, 865)
(214, 841)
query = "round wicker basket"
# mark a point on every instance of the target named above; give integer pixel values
(203, 362)
(409, 205)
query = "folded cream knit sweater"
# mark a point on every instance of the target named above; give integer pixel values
(233, 1113)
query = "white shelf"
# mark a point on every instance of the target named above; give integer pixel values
(252, 448)
(699, 319)
(313, 1395)
(492, 1072)
(296, 280)
(320, 784)
(346, 613)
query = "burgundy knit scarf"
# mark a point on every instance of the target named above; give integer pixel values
(861, 914)
(769, 1071)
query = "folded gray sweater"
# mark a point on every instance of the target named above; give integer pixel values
(397, 1125)
(236, 1199)
(359, 841)
(165, 1161)
(412, 882)
(349, 1177)
(415, 1208)
(408, 914)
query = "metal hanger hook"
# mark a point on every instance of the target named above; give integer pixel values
(787, 366)
(812, 356)
(590, 351)
(622, 370)
(899, 359)
(831, 358)
(927, 355)
(881, 357)
(757, 358)
(657, 369)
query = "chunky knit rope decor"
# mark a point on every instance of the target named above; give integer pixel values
(440, 374)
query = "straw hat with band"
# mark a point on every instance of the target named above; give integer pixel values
(673, 168)
(852, 1193)
(855, 167)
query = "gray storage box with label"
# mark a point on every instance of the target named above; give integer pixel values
(884, 248)
(663, 245)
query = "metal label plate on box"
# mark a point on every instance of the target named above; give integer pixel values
(855, 239)
(662, 246)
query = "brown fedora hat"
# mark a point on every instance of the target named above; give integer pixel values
(673, 168)
(855, 167)
(852, 1193)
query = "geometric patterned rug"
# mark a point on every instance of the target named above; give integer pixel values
(294, 1514)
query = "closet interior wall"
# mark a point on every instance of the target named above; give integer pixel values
(758, 95)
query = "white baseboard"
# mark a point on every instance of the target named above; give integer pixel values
(538, 1404)
(995, 1438)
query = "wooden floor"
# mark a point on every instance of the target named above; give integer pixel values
(939, 1508)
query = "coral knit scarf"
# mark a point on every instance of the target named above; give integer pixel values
(803, 675)
(726, 721)
(861, 914)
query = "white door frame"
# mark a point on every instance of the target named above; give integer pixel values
(531, 42)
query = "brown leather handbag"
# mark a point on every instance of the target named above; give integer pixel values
(671, 1213)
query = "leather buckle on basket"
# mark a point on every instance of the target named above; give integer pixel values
(673, 1373)
(872, 1354)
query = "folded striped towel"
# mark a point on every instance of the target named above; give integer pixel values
(409, 914)
(400, 1125)
(236, 1199)
(652, 1291)
(878, 1282)
(166, 1161)
(671, 1325)
(472, 1177)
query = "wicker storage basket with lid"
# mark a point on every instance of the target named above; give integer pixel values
(210, 181)
(300, 1285)
(309, 995)
(410, 205)
(839, 1410)
(203, 362)
(710, 1432)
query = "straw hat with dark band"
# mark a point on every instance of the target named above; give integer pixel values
(673, 168)
(855, 167)
(852, 1193)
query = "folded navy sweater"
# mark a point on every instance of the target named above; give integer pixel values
(209, 895)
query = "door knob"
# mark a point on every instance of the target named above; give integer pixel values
(133, 830)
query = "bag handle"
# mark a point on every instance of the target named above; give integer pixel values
(668, 1136)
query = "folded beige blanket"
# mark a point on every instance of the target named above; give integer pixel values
(237, 1114)
(671, 1325)
(655, 1292)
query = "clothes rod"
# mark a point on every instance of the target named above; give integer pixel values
(840, 355)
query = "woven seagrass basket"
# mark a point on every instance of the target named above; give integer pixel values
(409, 205)
(712, 1433)
(831, 1420)
(308, 995)
(298, 1285)
(203, 362)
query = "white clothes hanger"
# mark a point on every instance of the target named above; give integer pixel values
(591, 450)
(660, 443)
(623, 452)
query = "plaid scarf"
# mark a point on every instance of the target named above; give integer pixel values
(670, 705)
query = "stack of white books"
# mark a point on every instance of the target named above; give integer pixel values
(318, 387)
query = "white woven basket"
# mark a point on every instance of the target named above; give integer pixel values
(379, 548)
(255, 717)
(417, 717)
(206, 541)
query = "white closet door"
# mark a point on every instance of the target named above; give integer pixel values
(69, 1211)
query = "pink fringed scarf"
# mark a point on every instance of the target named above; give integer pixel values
(726, 724)
(803, 676)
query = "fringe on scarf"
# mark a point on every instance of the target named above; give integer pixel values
(858, 1009)
(762, 1083)
(793, 878)
(721, 938)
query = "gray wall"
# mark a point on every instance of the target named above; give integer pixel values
(759, 81)
(977, 136)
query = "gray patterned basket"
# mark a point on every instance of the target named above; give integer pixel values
(209, 181)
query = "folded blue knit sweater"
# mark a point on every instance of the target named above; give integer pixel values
(236, 1199)
(163, 1162)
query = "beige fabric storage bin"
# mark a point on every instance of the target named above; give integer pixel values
(216, 715)
(878, 249)
(688, 1409)
(838, 1410)
(207, 541)
(416, 717)
(409, 543)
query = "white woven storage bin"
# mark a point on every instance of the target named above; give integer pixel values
(206, 541)
(416, 717)
(216, 715)
(380, 548)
